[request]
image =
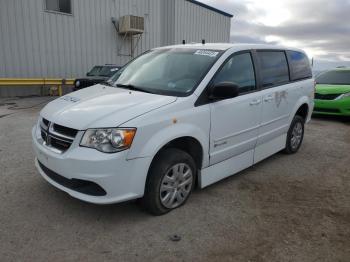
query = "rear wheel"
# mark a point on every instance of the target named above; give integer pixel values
(170, 181)
(295, 135)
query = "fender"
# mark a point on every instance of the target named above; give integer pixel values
(166, 135)
(302, 100)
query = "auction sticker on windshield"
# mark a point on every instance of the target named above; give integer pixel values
(207, 53)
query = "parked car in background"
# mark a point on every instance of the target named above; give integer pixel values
(97, 74)
(332, 95)
(173, 119)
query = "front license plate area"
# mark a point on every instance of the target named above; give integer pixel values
(43, 158)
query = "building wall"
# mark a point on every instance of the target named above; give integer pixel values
(37, 43)
(194, 23)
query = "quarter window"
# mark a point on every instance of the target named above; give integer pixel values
(273, 68)
(63, 6)
(240, 71)
(299, 65)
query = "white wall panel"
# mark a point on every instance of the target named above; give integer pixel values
(37, 43)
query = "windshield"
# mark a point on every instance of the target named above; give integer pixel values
(338, 77)
(106, 71)
(175, 72)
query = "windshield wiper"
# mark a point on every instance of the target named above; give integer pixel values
(105, 83)
(134, 88)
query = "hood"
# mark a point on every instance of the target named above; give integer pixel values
(332, 89)
(101, 106)
(91, 78)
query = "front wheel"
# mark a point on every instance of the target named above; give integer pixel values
(170, 181)
(295, 135)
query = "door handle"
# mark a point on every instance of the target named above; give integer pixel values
(255, 102)
(268, 98)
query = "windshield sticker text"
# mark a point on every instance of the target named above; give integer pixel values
(207, 53)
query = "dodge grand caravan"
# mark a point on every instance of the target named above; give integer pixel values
(173, 119)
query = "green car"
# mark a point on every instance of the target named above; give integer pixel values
(332, 94)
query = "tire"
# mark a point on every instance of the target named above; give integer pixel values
(295, 135)
(171, 177)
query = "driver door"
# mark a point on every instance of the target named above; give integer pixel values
(235, 122)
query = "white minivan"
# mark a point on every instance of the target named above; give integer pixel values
(175, 118)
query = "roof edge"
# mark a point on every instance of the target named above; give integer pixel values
(210, 8)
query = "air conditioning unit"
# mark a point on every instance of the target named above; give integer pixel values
(131, 24)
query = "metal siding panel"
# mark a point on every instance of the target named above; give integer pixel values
(39, 43)
(5, 41)
(27, 34)
(15, 51)
(19, 37)
(194, 23)
(36, 41)
(51, 45)
(62, 51)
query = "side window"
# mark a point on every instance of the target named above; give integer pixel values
(239, 70)
(63, 6)
(273, 68)
(299, 65)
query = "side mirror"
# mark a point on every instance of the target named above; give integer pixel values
(223, 90)
(88, 74)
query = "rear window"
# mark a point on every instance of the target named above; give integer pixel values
(273, 68)
(335, 77)
(299, 65)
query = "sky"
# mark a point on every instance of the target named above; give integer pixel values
(320, 27)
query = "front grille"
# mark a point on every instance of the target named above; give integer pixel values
(79, 185)
(46, 122)
(60, 144)
(65, 130)
(43, 135)
(326, 110)
(326, 96)
(57, 136)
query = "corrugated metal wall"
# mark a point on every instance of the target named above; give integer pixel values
(194, 23)
(37, 43)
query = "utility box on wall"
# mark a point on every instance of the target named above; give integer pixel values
(131, 24)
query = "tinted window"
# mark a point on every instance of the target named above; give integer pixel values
(239, 70)
(108, 71)
(299, 65)
(105, 71)
(63, 6)
(273, 68)
(335, 77)
(95, 71)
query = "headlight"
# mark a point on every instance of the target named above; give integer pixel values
(77, 83)
(343, 96)
(108, 140)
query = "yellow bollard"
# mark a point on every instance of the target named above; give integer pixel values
(60, 90)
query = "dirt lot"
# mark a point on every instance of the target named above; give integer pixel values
(286, 208)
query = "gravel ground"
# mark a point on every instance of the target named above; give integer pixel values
(286, 208)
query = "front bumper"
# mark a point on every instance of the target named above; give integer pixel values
(339, 107)
(121, 179)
